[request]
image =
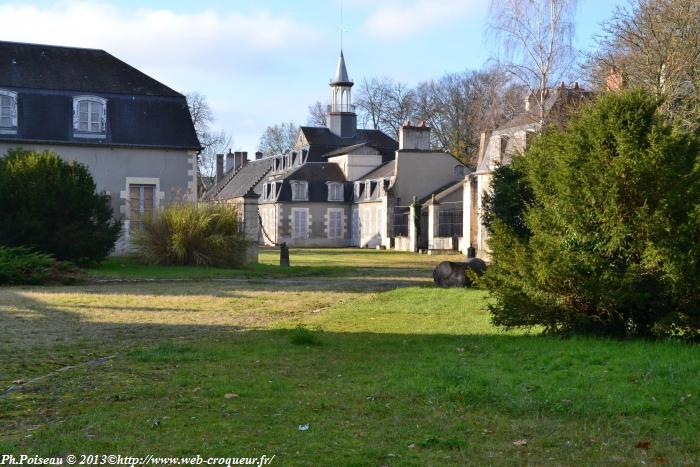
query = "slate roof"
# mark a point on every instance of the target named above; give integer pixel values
(141, 112)
(313, 171)
(316, 174)
(37, 66)
(341, 72)
(322, 141)
(383, 171)
(246, 180)
(344, 150)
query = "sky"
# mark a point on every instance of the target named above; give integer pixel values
(264, 62)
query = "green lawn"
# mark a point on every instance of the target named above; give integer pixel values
(304, 262)
(384, 371)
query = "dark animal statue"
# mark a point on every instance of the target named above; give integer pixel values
(451, 274)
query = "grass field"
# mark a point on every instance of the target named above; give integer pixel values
(385, 371)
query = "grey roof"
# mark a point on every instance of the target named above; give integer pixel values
(440, 191)
(317, 175)
(245, 181)
(322, 141)
(38, 66)
(141, 112)
(341, 72)
(344, 150)
(383, 171)
(313, 171)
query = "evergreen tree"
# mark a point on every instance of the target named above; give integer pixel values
(613, 223)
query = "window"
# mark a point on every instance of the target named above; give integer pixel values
(335, 191)
(89, 116)
(335, 223)
(141, 204)
(8, 111)
(299, 190)
(300, 223)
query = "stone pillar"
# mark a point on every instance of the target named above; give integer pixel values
(412, 233)
(466, 214)
(433, 222)
(384, 223)
(252, 222)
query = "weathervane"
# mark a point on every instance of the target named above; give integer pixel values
(340, 28)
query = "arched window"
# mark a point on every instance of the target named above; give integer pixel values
(89, 116)
(8, 111)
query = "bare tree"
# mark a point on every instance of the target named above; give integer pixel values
(372, 101)
(656, 45)
(212, 142)
(317, 115)
(278, 139)
(535, 38)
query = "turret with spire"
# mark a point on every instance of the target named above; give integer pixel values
(341, 118)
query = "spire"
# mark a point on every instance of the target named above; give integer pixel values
(341, 72)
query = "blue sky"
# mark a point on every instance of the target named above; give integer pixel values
(264, 62)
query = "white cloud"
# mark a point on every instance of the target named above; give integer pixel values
(160, 39)
(398, 20)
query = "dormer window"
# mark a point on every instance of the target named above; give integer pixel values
(300, 190)
(8, 112)
(335, 191)
(89, 117)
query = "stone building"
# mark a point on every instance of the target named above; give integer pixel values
(133, 133)
(500, 146)
(339, 185)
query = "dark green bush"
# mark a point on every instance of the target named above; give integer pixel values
(50, 205)
(191, 234)
(610, 235)
(20, 266)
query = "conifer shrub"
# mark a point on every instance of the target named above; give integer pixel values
(50, 205)
(21, 266)
(596, 228)
(193, 234)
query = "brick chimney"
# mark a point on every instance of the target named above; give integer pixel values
(258, 155)
(219, 167)
(244, 158)
(414, 137)
(616, 80)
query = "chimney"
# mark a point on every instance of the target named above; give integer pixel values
(230, 162)
(616, 80)
(244, 158)
(258, 155)
(482, 145)
(414, 137)
(219, 167)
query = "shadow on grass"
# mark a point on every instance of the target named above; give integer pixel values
(454, 398)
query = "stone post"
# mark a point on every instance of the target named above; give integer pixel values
(412, 231)
(384, 223)
(433, 222)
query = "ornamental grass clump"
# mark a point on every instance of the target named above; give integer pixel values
(193, 234)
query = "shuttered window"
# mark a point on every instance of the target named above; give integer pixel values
(299, 191)
(300, 223)
(335, 223)
(8, 109)
(335, 191)
(141, 204)
(89, 114)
